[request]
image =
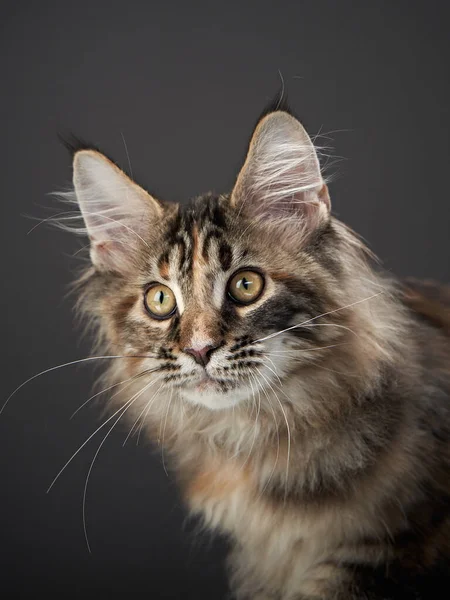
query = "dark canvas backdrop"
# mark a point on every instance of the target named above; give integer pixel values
(183, 83)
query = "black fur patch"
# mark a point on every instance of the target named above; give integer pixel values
(225, 256)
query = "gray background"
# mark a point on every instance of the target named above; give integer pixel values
(183, 82)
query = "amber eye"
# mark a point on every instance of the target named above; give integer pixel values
(159, 301)
(245, 287)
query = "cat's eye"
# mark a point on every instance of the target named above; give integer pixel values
(245, 287)
(159, 301)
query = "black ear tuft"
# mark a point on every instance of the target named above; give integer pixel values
(279, 102)
(74, 144)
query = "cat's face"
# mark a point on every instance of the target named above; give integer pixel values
(197, 292)
(207, 291)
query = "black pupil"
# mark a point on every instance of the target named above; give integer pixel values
(161, 297)
(246, 283)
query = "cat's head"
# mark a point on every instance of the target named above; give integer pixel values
(201, 291)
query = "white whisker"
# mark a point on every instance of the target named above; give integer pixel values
(256, 421)
(144, 409)
(88, 439)
(270, 369)
(278, 440)
(102, 392)
(68, 364)
(288, 431)
(253, 402)
(129, 403)
(297, 350)
(332, 325)
(164, 430)
(84, 444)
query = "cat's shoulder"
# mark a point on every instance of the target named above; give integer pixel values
(428, 299)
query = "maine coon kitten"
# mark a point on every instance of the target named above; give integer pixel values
(302, 396)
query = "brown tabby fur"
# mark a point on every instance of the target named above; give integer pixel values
(331, 474)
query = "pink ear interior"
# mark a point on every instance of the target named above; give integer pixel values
(281, 177)
(118, 214)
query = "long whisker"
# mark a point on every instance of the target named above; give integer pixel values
(273, 364)
(130, 402)
(255, 425)
(164, 431)
(68, 364)
(103, 392)
(143, 421)
(253, 403)
(332, 325)
(253, 398)
(272, 383)
(146, 407)
(278, 440)
(87, 440)
(296, 350)
(268, 337)
(270, 369)
(86, 537)
(288, 431)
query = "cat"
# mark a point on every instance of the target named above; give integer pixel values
(300, 394)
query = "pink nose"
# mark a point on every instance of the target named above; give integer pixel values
(203, 355)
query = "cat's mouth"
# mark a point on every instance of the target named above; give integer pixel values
(214, 393)
(206, 383)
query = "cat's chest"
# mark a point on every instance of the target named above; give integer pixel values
(229, 499)
(222, 493)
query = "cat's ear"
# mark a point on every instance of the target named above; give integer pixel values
(117, 212)
(280, 182)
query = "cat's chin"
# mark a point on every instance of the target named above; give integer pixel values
(209, 393)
